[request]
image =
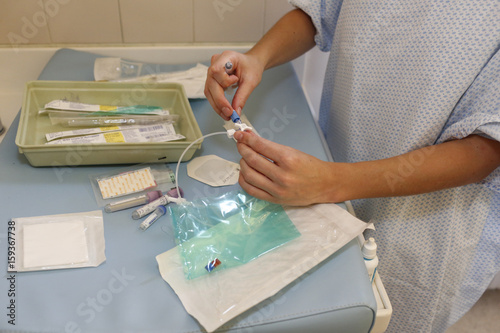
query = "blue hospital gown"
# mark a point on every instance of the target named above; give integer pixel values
(403, 75)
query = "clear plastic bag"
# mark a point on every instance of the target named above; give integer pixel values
(121, 184)
(227, 231)
(216, 298)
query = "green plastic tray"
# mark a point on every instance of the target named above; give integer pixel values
(30, 137)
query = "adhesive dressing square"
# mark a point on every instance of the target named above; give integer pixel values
(213, 170)
(126, 183)
(54, 244)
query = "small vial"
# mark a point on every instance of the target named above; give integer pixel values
(369, 251)
(132, 202)
(150, 207)
(159, 212)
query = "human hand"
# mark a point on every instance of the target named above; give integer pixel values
(246, 73)
(281, 174)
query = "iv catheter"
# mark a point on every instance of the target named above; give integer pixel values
(230, 133)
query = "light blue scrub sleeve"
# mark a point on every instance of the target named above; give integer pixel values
(478, 112)
(324, 15)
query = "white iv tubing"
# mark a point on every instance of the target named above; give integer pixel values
(182, 155)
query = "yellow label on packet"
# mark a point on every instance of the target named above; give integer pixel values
(107, 107)
(110, 128)
(114, 137)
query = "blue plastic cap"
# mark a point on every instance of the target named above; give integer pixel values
(162, 209)
(234, 117)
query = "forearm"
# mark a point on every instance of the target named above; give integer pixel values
(289, 38)
(433, 168)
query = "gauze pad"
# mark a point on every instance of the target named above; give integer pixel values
(56, 242)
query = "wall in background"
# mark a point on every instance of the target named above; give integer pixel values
(118, 22)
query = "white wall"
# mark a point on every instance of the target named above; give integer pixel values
(116, 22)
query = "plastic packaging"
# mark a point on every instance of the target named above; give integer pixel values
(65, 105)
(118, 70)
(234, 228)
(56, 242)
(77, 119)
(113, 68)
(369, 251)
(129, 182)
(219, 296)
(159, 132)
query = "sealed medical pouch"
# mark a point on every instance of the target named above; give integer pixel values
(126, 182)
(217, 233)
(55, 242)
(215, 298)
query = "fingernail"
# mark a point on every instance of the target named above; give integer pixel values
(238, 135)
(226, 111)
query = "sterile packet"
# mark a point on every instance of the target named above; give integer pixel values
(56, 242)
(164, 127)
(228, 231)
(77, 119)
(65, 105)
(119, 70)
(216, 298)
(161, 132)
(124, 183)
(114, 68)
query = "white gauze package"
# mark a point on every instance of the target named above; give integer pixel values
(57, 241)
(216, 298)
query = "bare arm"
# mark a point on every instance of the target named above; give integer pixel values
(296, 178)
(291, 36)
(450, 164)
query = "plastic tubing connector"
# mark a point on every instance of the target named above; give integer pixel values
(235, 118)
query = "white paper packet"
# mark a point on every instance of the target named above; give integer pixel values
(216, 298)
(56, 242)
